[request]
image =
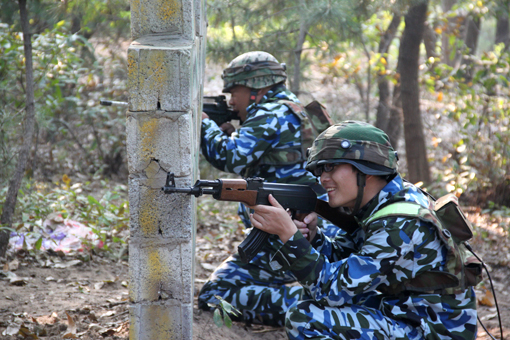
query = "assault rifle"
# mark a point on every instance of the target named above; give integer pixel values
(299, 199)
(217, 109)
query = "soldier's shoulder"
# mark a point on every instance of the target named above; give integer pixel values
(276, 107)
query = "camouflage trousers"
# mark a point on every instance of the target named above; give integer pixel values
(310, 320)
(260, 293)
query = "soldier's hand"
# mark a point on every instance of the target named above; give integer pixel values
(204, 115)
(308, 226)
(273, 219)
(227, 128)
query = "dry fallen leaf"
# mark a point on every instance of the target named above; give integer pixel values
(26, 333)
(486, 298)
(489, 316)
(15, 280)
(98, 285)
(208, 266)
(92, 316)
(67, 264)
(13, 265)
(12, 329)
(71, 329)
(47, 319)
(108, 313)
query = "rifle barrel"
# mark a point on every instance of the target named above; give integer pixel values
(183, 190)
(112, 102)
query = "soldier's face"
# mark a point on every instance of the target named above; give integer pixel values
(341, 185)
(239, 100)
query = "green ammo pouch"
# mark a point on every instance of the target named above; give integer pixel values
(463, 269)
(314, 119)
(451, 216)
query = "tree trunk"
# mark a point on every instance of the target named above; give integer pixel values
(369, 81)
(471, 40)
(15, 182)
(383, 109)
(445, 40)
(394, 128)
(472, 33)
(430, 41)
(409, 54)
(502, 28)
(303, 31)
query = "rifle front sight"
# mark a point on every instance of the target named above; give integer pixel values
(196, 190)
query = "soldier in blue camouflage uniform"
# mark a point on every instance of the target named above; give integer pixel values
(396, 277)
(269, 144)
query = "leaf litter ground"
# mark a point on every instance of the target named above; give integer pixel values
(57, 296)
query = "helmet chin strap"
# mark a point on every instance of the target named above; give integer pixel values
(361, 178)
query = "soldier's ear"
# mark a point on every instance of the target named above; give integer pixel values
(261, 93)
(307, 152)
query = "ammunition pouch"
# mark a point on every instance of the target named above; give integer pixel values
(462, 268)
(313, 118)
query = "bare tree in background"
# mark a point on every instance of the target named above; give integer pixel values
(383, 109)
(409, 54)
(502, 24)
(471, 40)
(296, 80)
(15, 182)
(449, 52)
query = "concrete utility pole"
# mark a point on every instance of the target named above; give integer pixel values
(165, 65)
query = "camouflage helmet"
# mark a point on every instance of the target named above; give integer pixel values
(255, 70)
(360, 144)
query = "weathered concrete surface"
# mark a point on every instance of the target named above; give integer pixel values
(171, 17)
(160, 75)
(165, 80)
(161, 215)
(164, 272)
(167, 321)
(146, 132)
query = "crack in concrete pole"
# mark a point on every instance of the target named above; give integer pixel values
(165, 85)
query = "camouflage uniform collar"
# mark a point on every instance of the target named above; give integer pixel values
(277, 92)
(274, 92)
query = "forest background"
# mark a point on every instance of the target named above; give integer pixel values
(433, 74)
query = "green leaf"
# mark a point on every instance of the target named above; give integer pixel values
(38, 243)
(228, 321)
(12, 230)
(217, 318)
(227, 307)
(95, 202)
(92, 200)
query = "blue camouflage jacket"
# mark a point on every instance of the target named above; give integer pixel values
(348, 268)
(269, 125)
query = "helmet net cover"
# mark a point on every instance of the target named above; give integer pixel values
(256, 70)
(358, 143)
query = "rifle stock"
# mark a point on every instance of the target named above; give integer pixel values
(299, 199)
